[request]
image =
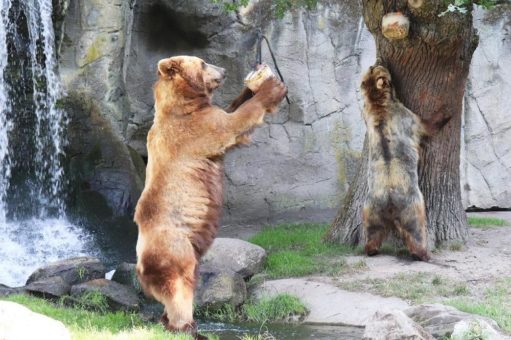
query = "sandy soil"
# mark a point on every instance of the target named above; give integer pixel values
(485, 259)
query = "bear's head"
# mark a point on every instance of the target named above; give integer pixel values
(190, 76)
(377, 85)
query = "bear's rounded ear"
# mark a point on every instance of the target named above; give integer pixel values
(167, 68)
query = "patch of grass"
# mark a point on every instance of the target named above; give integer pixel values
(387, 249)
(417, 287)
(85, 324)
(289, 263)
(360, 264)
(496, 304)
(281, 307)
(486, 222)
(225, 313)
(456, 246)
(298, 250)
(92, 300)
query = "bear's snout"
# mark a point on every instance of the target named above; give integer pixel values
(220, 71)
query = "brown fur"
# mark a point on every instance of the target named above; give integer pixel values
(179, 210)
(394, 200)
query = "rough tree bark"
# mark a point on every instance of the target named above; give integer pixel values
(429, 70)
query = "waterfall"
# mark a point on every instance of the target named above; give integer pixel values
(33, 227)
(5, 125)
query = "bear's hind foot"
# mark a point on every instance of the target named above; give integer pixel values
(421, 256)
(372, 248)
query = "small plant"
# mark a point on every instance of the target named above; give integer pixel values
(360, 264)
(81, 271)
(230, 6)
(462, 6)
(475, 332)
(279, 7)
(437, 280)
(456, 246)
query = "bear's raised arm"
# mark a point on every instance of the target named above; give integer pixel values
(252, 111)
(245, 95)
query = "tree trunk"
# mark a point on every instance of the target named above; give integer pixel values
(429, 70)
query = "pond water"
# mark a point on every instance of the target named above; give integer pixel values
(283, 331)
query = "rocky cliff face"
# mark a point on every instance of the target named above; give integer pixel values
(301, 161)
(486, 161)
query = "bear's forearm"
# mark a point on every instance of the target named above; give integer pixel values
(247, 116)
(245, 95)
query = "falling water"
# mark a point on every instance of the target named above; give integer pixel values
(33, 226)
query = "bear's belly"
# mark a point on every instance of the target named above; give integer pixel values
(195, 201)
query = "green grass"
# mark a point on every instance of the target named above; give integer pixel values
(496, 304)
(85, 324)
(298, 250)
(486, 222)
(282, 307)
(417, 287)
(225, 313)
(93, 300)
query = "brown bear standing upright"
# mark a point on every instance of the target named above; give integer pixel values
(394, 199)
(178, 212)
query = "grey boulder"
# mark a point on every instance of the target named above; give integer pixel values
(72, 271)
(52, 287)
(118, 296)
(394, 325)
(244, 258)
(440, 320)
(218, 286)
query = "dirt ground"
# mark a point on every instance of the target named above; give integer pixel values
(364, 284)
(485, 259)
(481, 262)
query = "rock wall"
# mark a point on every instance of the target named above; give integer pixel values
(300, 163)
(103, 168)
(486, 161)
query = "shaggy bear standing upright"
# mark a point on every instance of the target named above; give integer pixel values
(394, 199)
(178, 212)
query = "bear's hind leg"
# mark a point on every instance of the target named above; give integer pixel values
(413, 228)
(375, 232)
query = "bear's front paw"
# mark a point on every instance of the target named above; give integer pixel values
(271, 93)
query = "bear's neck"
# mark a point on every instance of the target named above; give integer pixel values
(183, 104)
(192, 104)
